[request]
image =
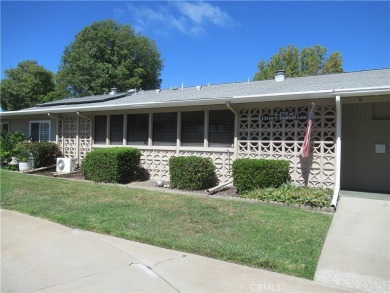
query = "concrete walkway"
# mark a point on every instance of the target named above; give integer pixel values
(38, 255)
(356, 253)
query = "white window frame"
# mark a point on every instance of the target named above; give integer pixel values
(40, 122)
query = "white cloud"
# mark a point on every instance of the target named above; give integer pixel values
(191, 18)
(203, 12)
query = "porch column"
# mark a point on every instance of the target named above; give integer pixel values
(108, 130)
(178, 131)
(236, 117)
(150, 130)
(125, 129)
(77, 142)
(337, 153)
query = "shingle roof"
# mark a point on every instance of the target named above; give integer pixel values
(362, 79)
(370, 79)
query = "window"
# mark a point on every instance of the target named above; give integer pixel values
(138, 129)
(221, 128)
(100, 129)
(5, 127)
(192, 128)
(116, 129)
(164, 129)
(40, 130)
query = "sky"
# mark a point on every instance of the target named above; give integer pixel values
(203, 42)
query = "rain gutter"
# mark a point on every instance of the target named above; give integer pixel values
(369, 91)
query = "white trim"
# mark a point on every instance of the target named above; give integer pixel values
(173, 148)
(77, 146)
(150, 130)
(124, 136)
(338, 153)
(178, 129)
(108, 130)
(206, 128)
(40, 122)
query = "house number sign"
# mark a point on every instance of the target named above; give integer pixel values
(284, 115)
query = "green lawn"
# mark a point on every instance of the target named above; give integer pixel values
(277, 238)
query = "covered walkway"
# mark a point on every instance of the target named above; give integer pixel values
(356, 253)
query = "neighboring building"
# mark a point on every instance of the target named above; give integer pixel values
(260, 119)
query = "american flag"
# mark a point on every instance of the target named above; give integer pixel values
(306, 142)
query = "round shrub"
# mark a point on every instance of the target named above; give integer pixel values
(117, 164)
(191, 173)
(249, 174)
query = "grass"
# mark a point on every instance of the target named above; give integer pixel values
(277, 238)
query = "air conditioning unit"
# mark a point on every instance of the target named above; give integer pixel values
(66, 165)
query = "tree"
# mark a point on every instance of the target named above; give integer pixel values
(107, 54)
(309, 61)
(25, 86)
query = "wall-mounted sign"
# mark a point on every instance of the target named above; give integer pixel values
(284, 115)
(380, 148)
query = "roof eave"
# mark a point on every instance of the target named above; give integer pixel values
(349, 92)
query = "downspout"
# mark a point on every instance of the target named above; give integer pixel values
(230, 181)
(85, 117)
(235, 129)
(62, 132)
(338, 153)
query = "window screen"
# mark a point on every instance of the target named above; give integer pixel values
(44, 134)
(40, 131)
(192, 128)
(138, 129)
(164, 128)
(34, 131)
(100, 129)
(5, 127)
(116, 129)
(221, 128)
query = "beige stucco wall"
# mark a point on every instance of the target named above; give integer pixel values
(22, 123)
(362, 168)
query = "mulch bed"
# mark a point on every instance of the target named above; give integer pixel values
(228, 191)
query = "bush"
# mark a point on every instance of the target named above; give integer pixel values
(45, 153)
(249, 174)
(118, 164)
(22, 151)
(192, 173)
(294, 195)
(8, 142)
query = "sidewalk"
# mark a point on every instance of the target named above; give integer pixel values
(38, 255)
(356, 253)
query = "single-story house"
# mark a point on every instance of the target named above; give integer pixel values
(350, 140)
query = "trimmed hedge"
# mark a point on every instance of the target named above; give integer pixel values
(116, 165)
(191, 173)
(250, 174)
